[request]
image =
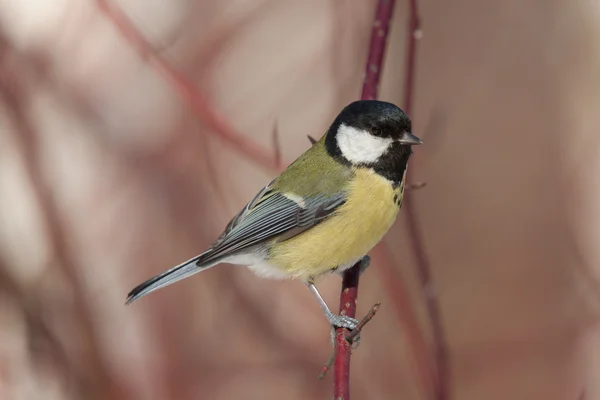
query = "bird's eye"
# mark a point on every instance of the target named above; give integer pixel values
(376, 131)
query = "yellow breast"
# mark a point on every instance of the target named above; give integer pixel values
(350, 233)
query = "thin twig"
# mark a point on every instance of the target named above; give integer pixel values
(351, 337)
(326, 367)
(441, 390)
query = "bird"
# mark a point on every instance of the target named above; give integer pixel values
(324, 212)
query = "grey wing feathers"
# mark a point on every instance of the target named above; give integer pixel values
(263, 194)
(274, 216)
(268, 215)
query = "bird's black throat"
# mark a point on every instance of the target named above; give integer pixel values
(392, 164)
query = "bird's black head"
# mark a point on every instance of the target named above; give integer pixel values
(372, 134)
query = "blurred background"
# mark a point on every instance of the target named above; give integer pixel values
(109, 175)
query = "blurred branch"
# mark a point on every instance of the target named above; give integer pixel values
(14, 96)
(379, 33)
(45, 348)
(414, 33)
(416, 342)
(277, 145)
(196, 100)
(441, 390)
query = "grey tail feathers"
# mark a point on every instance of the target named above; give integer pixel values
(177, 273)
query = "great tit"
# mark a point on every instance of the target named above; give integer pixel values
(326, 211)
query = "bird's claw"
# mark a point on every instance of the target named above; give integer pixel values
(343, 321)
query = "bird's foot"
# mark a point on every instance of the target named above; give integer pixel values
(343, 321)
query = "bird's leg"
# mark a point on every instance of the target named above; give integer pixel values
(340, 321)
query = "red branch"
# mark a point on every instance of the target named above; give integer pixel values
(379, 33)
(196, 100)
(341, 377)
(441, 390)
(15, 97)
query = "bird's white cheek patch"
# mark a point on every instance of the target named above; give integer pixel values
(359, 146)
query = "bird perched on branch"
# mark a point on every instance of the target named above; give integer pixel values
(326, 211)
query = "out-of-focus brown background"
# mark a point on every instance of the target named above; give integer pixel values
(107, 177)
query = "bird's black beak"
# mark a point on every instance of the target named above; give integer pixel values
(410, 139)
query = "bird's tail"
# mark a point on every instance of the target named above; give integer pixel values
(177, 273)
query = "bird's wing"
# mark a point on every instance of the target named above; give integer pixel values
(269, 215)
